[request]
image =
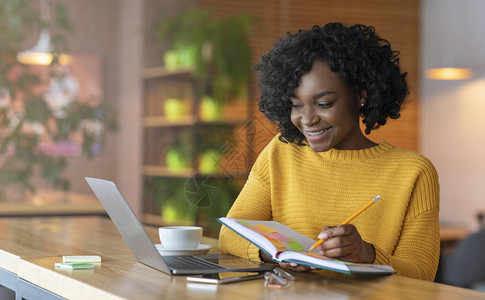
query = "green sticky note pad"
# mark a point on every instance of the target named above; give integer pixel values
(74, 266)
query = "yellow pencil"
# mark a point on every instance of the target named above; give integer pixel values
(349, 219)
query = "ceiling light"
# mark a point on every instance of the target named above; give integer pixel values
(43, 52)
(449, 73)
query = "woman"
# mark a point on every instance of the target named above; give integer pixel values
(321, 168)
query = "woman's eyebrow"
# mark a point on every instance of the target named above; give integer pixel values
(316, 96)
(322, 94)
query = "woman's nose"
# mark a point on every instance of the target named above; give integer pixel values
(309, 117)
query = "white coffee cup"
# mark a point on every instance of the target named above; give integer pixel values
(180, 237)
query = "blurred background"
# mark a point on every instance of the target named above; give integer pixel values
(159, 96)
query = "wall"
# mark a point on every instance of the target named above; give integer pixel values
(95, 27)
(452, 127)
(130, 59)
(113, 30)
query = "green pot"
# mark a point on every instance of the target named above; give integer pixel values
(175, 160)
(209, 162)
(174, 109)
(186, 57)
(210, 109)
(171, 60)
(180, 58)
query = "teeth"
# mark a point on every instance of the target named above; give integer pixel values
(316, 133)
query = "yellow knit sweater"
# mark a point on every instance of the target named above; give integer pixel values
(308, 190)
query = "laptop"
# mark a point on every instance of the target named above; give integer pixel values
(145, 251)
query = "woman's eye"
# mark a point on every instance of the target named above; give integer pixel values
(296, 105)
(325, 104)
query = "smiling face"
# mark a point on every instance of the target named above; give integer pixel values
(326, 110)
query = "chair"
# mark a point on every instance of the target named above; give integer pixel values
(465, 267)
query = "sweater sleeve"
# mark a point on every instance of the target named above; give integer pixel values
(253, 203)
(417, 252)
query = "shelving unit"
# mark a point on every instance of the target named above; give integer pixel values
(190, 134)
(164, 122)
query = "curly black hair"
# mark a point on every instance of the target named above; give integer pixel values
(361, 58)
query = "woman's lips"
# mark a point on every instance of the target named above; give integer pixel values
(316, 134)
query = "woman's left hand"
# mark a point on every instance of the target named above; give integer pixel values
(344, 243)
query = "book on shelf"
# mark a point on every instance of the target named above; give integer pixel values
(284, 244)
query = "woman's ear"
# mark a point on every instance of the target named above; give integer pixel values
(362, 98)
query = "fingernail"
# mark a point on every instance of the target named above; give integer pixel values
(293, 264)
(323, 236)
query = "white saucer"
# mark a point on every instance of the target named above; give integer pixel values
(202, 249)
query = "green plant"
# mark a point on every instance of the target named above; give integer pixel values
(180, 144)
(169, 194)
(29, 122)
(218, 48)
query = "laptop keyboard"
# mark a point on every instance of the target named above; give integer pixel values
(189, 262)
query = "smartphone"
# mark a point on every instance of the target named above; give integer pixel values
(224, 277)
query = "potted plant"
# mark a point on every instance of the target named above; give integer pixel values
(174, 108)
(210, 140)
(218, 50)
(30, 123)
(179, 152)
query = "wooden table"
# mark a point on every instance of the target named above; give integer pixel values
(29, 247)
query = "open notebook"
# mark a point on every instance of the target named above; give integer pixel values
(284, 244)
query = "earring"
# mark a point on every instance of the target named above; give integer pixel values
(362, 104)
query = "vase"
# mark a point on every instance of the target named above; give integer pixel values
(209, 161)
(175, 160)
(210, 109)
(170, 60)
(174, 109)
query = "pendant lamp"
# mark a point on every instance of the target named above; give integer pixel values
(448, 58)
(449, 73)
(43, 52)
